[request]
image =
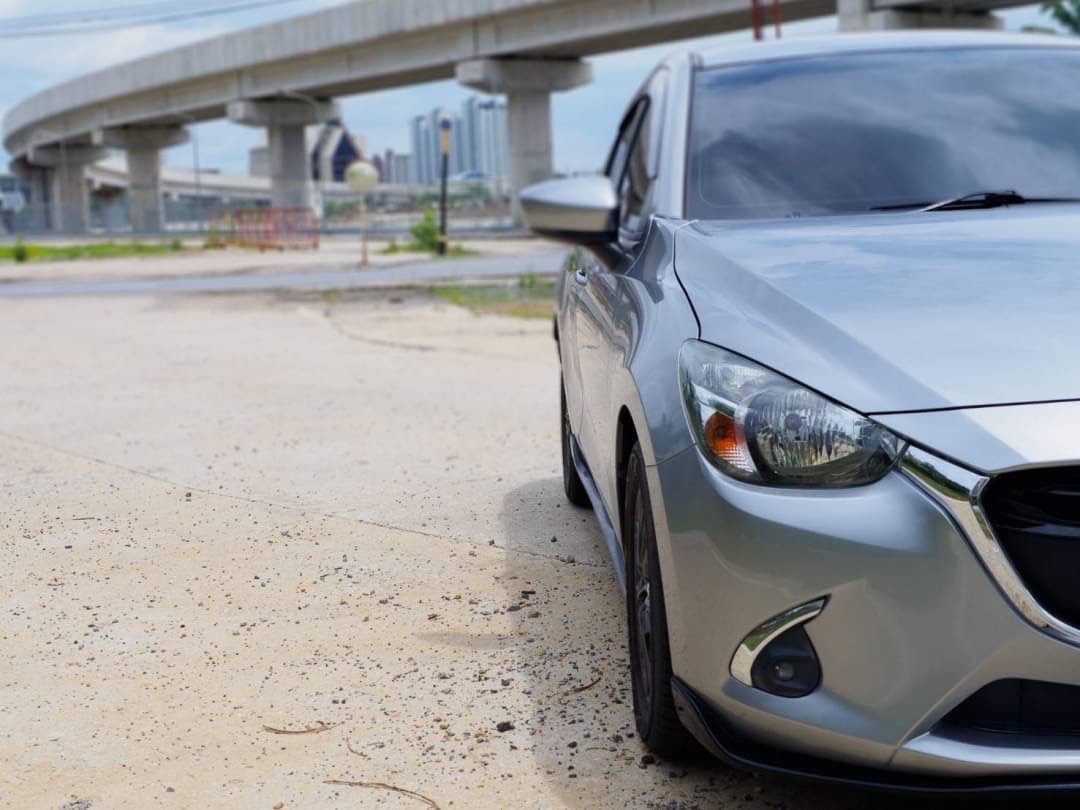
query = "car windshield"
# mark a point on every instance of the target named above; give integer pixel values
(854, 133)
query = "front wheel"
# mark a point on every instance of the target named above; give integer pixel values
(650, 654)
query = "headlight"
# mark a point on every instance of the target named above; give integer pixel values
(757, 426)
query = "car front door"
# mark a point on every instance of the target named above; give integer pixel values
(602, 289)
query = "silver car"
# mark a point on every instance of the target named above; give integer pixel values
(820, 348)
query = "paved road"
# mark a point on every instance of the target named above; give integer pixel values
(256, 549)
(329, 276)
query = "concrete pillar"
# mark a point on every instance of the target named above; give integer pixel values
(289, 165)
(887, 15)
(528, 85)
(68, 195)
(285, 120)
(40, 191)
(143, 146)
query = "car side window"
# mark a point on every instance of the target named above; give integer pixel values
(636, 182)
(620, 152)
(634, 163)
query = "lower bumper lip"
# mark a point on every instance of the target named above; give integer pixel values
(709, 728)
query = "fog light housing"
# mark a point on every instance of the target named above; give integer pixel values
(778, 657)
(788, 666)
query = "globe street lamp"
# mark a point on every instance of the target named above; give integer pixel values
(362, 178)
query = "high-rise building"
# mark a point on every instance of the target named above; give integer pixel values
(492, 140)
(479, 144)
(403, 171)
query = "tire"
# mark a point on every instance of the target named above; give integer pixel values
(650, 654)
(575, 490)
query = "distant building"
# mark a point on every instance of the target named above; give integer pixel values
(423, 149)
(14, 197)
(403, 170)
(259, 161)
(488, 137)
(479, 144)
(333, 151)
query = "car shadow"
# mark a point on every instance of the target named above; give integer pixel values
(573, 664)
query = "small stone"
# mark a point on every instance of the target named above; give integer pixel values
(504, 726)
(647, 760)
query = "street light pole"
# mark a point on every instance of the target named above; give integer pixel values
(195, 156)
(446, 124)
(362, 178)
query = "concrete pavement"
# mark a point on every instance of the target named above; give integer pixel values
(253, 547)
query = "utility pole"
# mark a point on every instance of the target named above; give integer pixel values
(446, 124)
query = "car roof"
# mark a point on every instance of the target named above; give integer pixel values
(795, 47)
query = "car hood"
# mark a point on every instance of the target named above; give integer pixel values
(898, 312)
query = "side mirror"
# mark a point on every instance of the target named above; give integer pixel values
(582, 210)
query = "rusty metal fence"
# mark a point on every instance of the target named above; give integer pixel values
(265, 229)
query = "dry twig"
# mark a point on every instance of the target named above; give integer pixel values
(579, 689)
(383, 786)
(315, 729)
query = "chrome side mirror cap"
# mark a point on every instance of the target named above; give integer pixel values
(582, 210)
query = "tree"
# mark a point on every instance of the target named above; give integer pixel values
(1066, 13)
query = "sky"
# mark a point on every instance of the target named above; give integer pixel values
(584, 120)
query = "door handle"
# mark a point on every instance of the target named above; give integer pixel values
(581, 276)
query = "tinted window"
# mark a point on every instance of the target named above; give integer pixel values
(634, 189)
(620, 152)
(845, 134)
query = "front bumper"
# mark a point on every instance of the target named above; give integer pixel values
(913, 627)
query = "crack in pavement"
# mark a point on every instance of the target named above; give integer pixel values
(327, 317)
(304, 510)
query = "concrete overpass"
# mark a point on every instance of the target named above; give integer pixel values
(285, 76)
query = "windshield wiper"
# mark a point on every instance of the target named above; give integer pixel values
(975, 201)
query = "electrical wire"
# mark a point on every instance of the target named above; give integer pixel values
(119, 17)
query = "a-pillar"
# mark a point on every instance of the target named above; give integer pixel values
(68, 198)
(143, 146)
(528, 85)
(868, 15)
(285, 120)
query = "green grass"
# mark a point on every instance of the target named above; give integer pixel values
(98, 250)
(530, 297)
(453, 252)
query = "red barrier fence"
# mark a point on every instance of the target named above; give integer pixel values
(267, 228)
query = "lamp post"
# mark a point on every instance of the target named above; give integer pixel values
(446, 125)
(195, 155)
(362, 178)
